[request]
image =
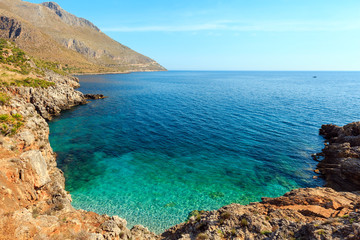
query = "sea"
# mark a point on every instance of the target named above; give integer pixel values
(166, 143)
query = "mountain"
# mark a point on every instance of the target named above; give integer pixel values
(48, 32)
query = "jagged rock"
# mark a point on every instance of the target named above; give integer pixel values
(341, 163)
(68, 17)
(51, 101)
(10, 28)
(111, 228)
(121, 223)
(312, 213)
(140, 232)
(94, 96)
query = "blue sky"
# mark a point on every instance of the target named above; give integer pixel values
(232, 34)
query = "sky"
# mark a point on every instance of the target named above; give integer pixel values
(232, 34)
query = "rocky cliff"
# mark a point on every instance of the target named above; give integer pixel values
(33, 200)
(341, 163)
(42, 29)
(35, 205)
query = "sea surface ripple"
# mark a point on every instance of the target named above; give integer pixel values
(166, 143)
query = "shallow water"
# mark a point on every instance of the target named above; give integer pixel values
(166, 143)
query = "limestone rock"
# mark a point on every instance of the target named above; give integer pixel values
(314, 213)
(38, 164)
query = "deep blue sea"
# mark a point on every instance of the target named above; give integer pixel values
(166, 143)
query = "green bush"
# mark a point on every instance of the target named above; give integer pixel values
(10, 124)
(265, 232)
(28, 82)
(18, 58)
(244, 222)
(11, 55)
(53, 66)
(4, 98)
(196, 214)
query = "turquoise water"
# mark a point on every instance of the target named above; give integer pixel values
(166, 143)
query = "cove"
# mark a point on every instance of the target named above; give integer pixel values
(166, 143)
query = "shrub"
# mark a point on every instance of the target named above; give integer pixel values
(52, 66)
(224, 216)
(27, 82)
(265, 232)
(10, 124)
(244, 222)
(196, 214)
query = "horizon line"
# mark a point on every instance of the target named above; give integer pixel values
(204, 70)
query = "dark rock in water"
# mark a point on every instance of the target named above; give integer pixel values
(94, 96)
(341, 163)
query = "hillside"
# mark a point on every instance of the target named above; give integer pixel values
(44, 29)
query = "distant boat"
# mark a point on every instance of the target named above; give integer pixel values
(314, 76)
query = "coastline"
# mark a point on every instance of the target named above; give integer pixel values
(107, 73)
(34, 200)
(301, 213)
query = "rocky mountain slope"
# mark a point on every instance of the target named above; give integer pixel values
(35, 205)
(45, 29)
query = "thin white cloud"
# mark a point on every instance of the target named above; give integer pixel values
(189, 28)
(226, 25)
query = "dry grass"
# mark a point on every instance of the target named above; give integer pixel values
(96, 52)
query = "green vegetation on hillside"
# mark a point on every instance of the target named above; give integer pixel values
(16, 68)
(9, 124)
(14, 57)
(4, 98)
(52, 66)
(27, 82)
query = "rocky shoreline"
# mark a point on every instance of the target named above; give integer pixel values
(341, 165)
(35, 205)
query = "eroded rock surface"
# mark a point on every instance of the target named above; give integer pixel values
(94, 96)
(341, 163)
(314, 213)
